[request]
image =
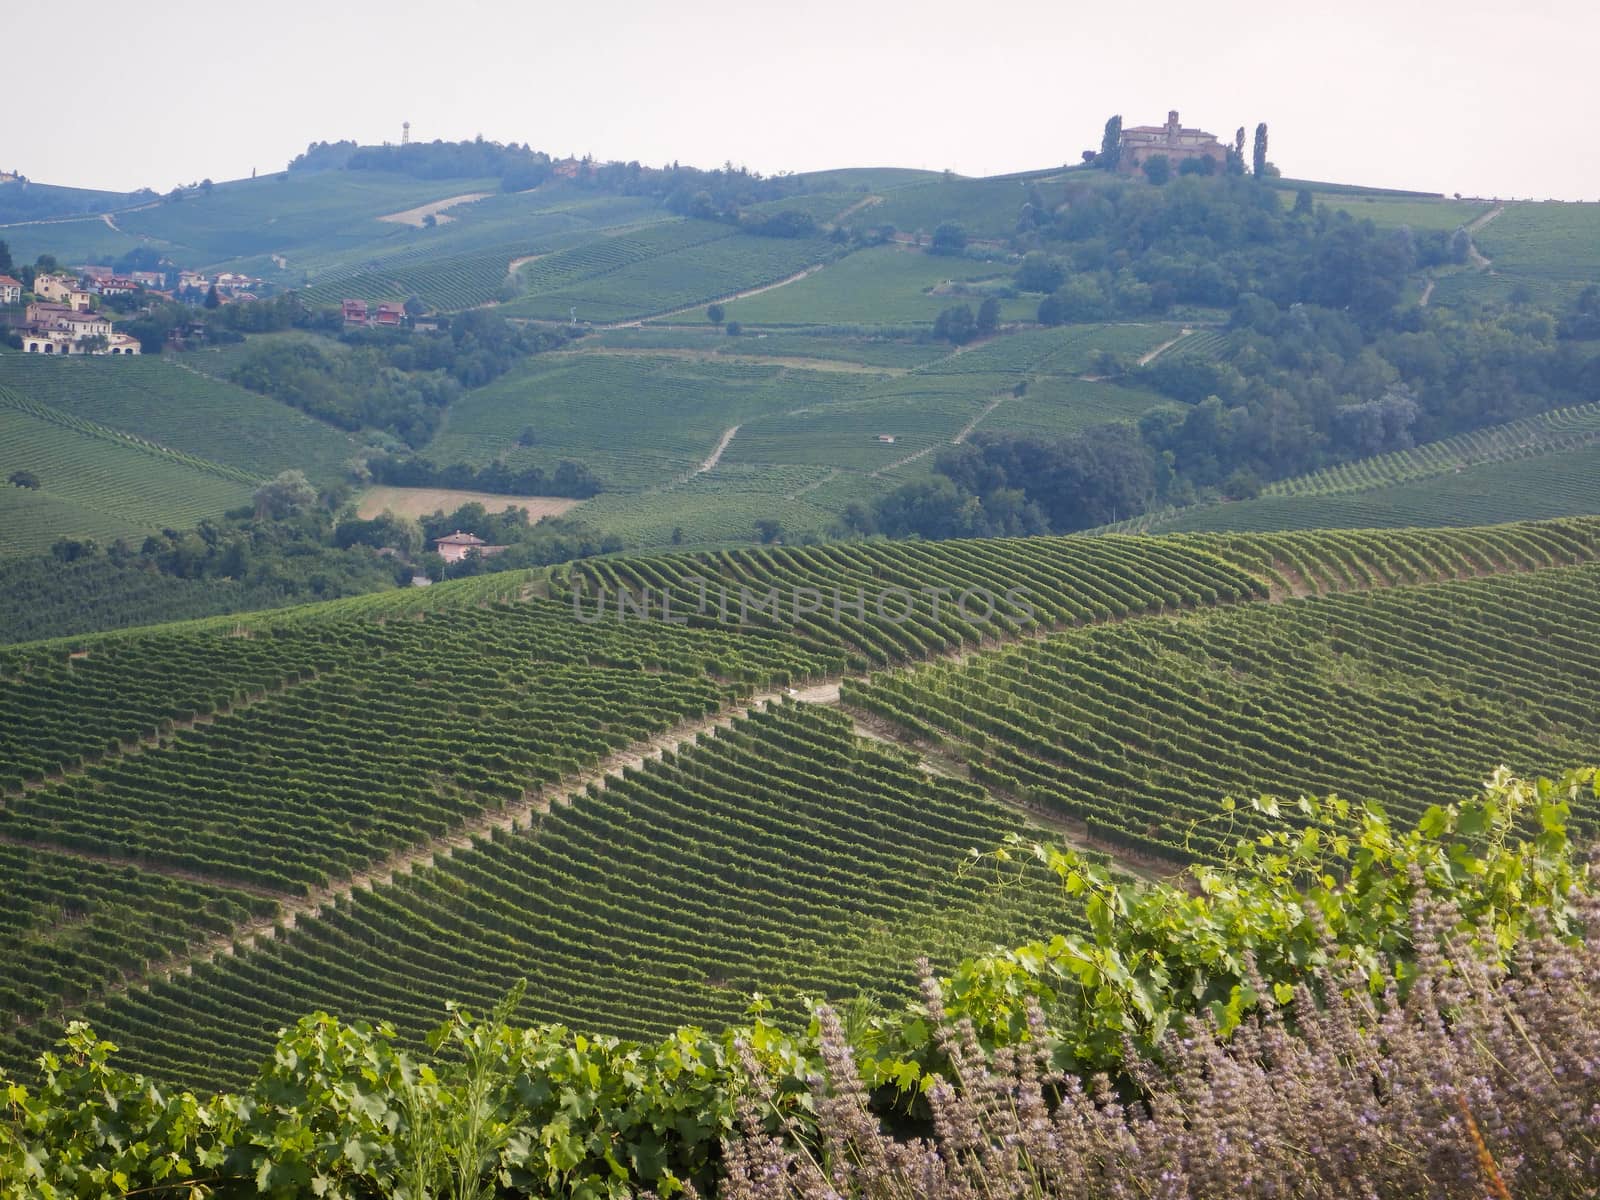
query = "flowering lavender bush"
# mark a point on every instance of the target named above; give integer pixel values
(1482, 1079)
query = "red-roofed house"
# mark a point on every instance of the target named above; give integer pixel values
(10, 290)
(355, 312)
(392, 315)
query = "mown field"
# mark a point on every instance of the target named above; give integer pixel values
(782, 853)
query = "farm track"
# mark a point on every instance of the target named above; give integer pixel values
(712, 459)
(1478, 257)
(511, 817)
(437, 209)
(1146, 359)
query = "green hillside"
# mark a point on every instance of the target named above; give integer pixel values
(241, 771)
(98, 482)
(164, 400)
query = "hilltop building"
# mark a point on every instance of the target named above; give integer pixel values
(1141, 143)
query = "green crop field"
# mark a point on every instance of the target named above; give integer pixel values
(754, 860)
(292, 215)
(636, 421)
(1556, 483)
(986, 208)
(163, 401)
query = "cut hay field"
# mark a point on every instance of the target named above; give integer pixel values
(422, 502)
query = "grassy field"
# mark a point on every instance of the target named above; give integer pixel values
(163, 401)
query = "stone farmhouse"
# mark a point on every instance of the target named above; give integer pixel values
(10, 290)
(1141, 143)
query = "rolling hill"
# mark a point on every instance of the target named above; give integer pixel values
(649, 820)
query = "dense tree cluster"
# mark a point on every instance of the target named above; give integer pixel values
(391, 380)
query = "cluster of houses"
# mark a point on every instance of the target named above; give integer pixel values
(61, 320)
(357, 312)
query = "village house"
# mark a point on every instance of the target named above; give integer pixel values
(355, 312)
(150, 279)
(390, 315)
(193, 279)
(10, 290)
(115, 285)
(454, 547)
(61, 289)
(95, 272)
(59, 329)
(1141, 143)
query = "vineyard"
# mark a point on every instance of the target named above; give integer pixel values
(758, 859)
(882, 286)
(1549, 432)
(1065, 581)
(588, 406)
(656, 270)
(41, 597)
(104, 479)
(154, 401)
(1137, 731)
(1536, 487)
(218, 774)
(1545, 241)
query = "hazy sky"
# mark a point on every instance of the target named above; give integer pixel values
(1484, 97)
